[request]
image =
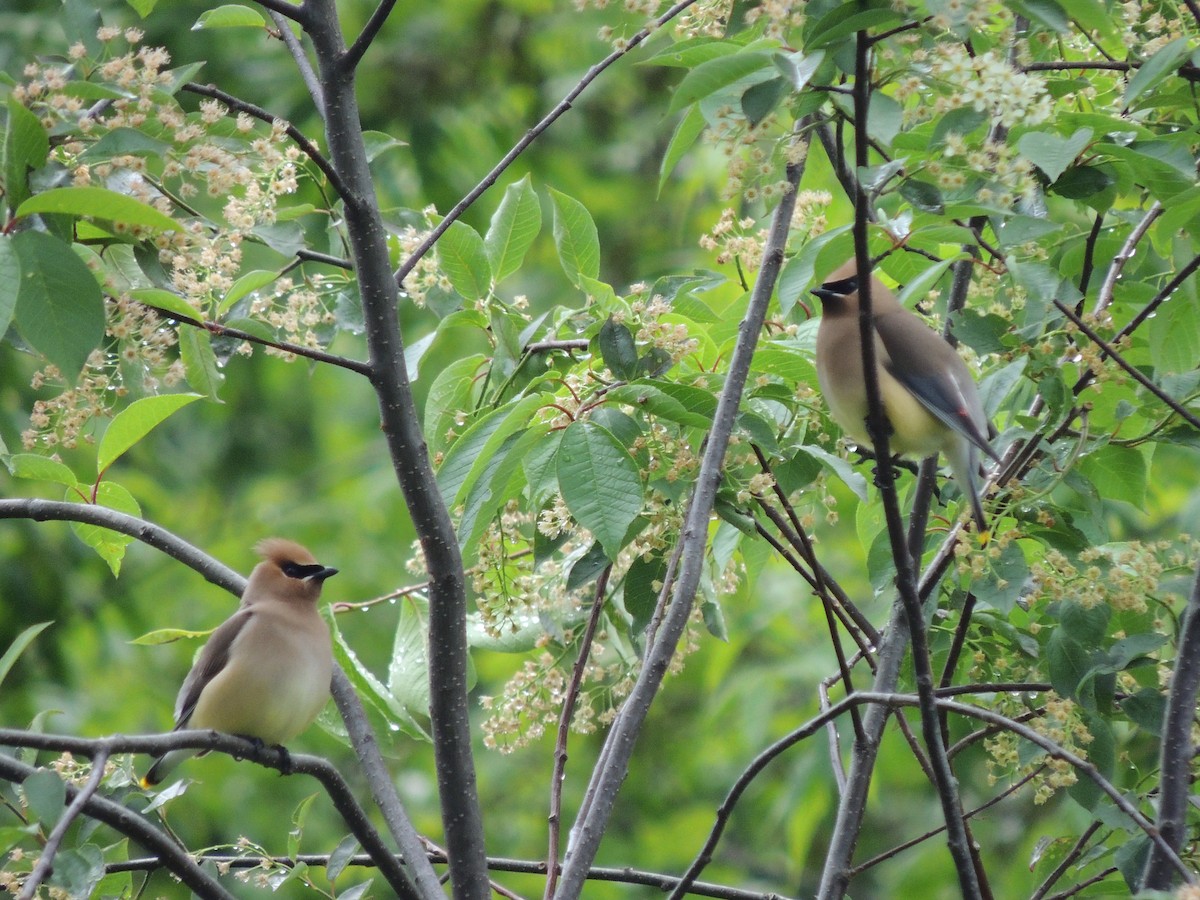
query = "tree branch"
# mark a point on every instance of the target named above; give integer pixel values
(618, 747)
(530, 136)
(45, 863)
(239, 748)
(1176, 751)
(401, 424)
(136, 827)
(370, 31)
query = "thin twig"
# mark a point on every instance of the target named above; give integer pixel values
(237, 334)
(301, 140)
(46, 860)
(530, 136)
(370, 31)
(1132, 371)
(564, 728)
(1123, 255)
(606, 779)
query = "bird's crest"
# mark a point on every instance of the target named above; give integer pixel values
(281, 551)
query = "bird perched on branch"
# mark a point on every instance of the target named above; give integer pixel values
(264, 674)
(929, 398)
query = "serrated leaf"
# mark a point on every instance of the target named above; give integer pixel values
(469, 456)
(246, 284)
(717, 74)
(922, 195)
(10, 283)
(45, 796)
(387, 715)
(464, 259)
(617, 349)
(576, 238)
(600, 483)
(59, 309)
(26, 146)
(408, 669)
(200, 365)
(231, 15)
(513, 228)
(1157, 68)
(450, 396)
(17, 647)
(41, 468)
(166, 301)
(686, 132)
(1119, 471)
(136, 421)
(340, 858)
(760, 100)
(168, 636)
(655, 401)
(643, 582)
(98, 203)
(109, 545)
(840, 22)
(1052, 153)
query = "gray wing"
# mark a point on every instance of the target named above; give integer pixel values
(213, 658)
(936, 375)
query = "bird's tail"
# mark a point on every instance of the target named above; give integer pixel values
(163, 765)
(964, 464)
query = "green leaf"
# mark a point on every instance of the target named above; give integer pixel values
(922, 195)
(408, 669)
(230, 15)
(495, 484)
(1067, 661)
(200, 365)
(17, 647)
(760, 100)
(1047, 12)
(136, 421)
(383, 709)
(109, 545)
(450, 396)
(168, 636)
(576, 238)
(340, 858)
(655, 401)
(41, 468)
(26, 146)
(840, 22)
(166, 301)
(299, 818)
(246, 284)
(60, 309)
(1121, 471)
(45, 796)
(717, 74)
(690, 53)
(600, 483)
(1051, 153)
(617, 349)
(686, 133)
(514, 225)
(98, 203)
(642, 585)
(10, 283)
(469, 456)
(125, 142)
(464, 259)
(1157, 68)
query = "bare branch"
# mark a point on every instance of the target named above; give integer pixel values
(400, 420)
(564, 727)
(45, 861)
(370, 31)
(237, 334)
(618, 747)
(136, 827)
(383, 789)
(239, 748)
(300, 58)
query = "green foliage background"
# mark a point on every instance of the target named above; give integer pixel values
(296, 449)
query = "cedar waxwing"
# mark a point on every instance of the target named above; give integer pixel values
(265, 673)
(929, 398)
